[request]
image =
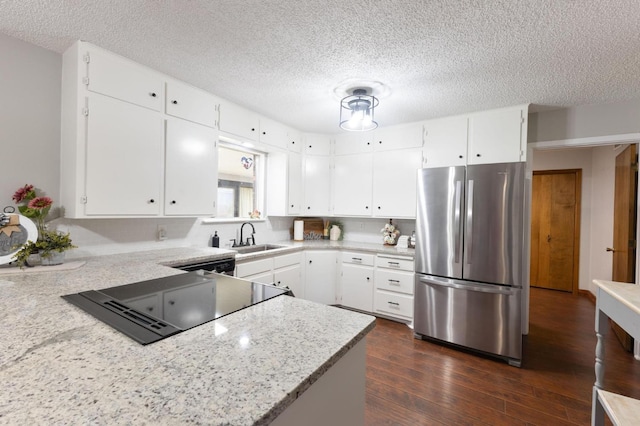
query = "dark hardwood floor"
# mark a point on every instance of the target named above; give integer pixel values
(413, 382)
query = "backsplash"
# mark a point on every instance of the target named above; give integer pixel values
(95, 237)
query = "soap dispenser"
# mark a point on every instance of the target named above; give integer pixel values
(215, 240)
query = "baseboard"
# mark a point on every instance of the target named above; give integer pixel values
(588, 295)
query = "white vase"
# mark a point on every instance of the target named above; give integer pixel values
(334, 233)
(54, 258)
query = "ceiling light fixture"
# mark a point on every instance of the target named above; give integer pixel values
(358, 110)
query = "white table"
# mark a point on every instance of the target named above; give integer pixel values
(621, 303)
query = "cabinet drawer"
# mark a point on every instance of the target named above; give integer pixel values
(394, 281)
(255, 267)
(394, 263)
(287, 260)
(358, 258)
(393, 304)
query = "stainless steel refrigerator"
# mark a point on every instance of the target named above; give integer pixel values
(469, 257)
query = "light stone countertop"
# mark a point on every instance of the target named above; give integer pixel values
(59, 365)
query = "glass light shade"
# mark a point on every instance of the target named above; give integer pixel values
(357, 111)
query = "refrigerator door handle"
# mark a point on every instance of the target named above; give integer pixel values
(458, 221)
(488, 288)
(469, 230)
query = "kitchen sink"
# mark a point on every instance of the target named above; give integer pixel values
(256, 248)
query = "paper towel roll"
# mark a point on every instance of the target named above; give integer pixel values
(298, 230)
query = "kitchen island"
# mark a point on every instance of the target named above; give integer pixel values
(62, 366)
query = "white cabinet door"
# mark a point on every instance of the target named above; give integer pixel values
(445, 142)
(295, 184)
(394, 182)
(398, 137)
(191, 169)
(315, 144)
(294, 141)
(352, 176)
(238, 121)
(498, 136)
(191, 104)
(291, 277)
(124, 166)
(320, 276)
(114, 76)
(356, 283)
(317, 185)
(273, 133)
(353, 143)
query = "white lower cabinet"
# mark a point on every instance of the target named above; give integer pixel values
(287, 272)
(393, 294)
(320, 276)
(260, 271)
(356, 281)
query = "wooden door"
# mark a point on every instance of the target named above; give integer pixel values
(624, 227)
(555, 229)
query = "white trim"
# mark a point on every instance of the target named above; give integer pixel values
(587, 142)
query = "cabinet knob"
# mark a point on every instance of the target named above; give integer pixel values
(264, 133)
(367, 278)
(459, 156)
(253, 129)
(368, 143)
(379, 207)
(308, 207)
(380, 142)
(174, 102)
(171, 302)
(366, 207)
(310, 262)
(173, 201)
(151, 201)
(309, 146)
(153, 94)
(293, 142)
(477, 155)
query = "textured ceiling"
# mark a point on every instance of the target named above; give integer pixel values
(283, 58)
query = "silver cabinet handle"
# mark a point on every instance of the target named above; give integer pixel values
(394, 264)
(394, 282)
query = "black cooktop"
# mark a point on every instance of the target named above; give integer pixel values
(148, 311)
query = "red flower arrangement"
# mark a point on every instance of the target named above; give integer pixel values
(32, 206)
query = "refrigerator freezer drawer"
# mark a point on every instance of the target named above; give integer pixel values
(480, 316)
(393, 304)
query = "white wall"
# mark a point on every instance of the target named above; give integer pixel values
(596, 223)
(584, 121)
(30, 79)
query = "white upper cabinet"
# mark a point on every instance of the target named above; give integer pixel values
(122, 79)
(445, 142)
(352, 184)
(238, 121)
(353, 143)
(317, 185)
(315, 144)
(187, 102)
(295, 184)
(294, 141)
(498, 136)
(124, 156)
(394, 182)
(273, 133)
(398, 137)
(191, 157)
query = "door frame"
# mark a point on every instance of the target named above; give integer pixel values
(575, 285)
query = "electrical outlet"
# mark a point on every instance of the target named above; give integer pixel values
(162, 232)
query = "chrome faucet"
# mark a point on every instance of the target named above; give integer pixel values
(253, 231)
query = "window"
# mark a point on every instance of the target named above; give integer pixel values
(239, 182)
